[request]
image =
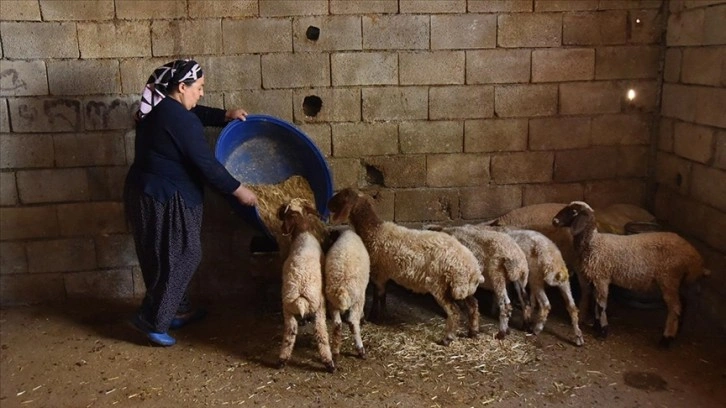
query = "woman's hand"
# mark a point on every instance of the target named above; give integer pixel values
(232, 114)
(245, 196)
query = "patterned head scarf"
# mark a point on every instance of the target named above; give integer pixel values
(158, 85)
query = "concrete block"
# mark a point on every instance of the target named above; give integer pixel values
(89, 149)
(396, 32)
(91, 218)
(275, 102)
(495, 135)
(627, 62)
(431, 68)
(461, 102)
(645, 26)
(720, 155)
(336, 33)
(186, 37)
(383, 202)
(136, 71)
(223, 9)
(529, 30)
(100, 284)
(73, 10)
(119, 39)
(23, 78)
(432, 6)
(110, 113)
(4, 116)
(84, 77)
(672, 66)
(426, 205)
(61, 255)
(489, 201)
(604, 193)
(647, 95)
(321, 135)
(280, 8)
(590, 98)
(338, 104)
(397, 171)
(621, 129)
(497, 6)
(525, 100)
(564, 5)
(629, 4)
(257, 35)
(713, 32)
(709, 106)
(26, 289)
(522, 167)
(673, 171)
(703, 65)
(363, 7)
(8, 189)
(39, 40)
(556, 65)
(115, 251)
(380, 139)
(601, 162)
(153, 9)
(685, 28)
(310, 69)
(26, 151)
(395, 103)
(457, 170)
(28, 222)
(15, 10)
(680, 101)
(431, 137)
(129, 138)
(594, 28)
(693, 142)
(42, 186)
(665, 135)
(552, 193)
(463, 31)
(560, 133)
(498, 66)
(366, 68)
(346, 173)
(12, 258)
(106, 183)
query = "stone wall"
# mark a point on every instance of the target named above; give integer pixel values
(690, 170)
(445, 110)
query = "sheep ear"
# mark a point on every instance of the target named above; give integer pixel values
(281, 212)
(311, 211)
(579, 223)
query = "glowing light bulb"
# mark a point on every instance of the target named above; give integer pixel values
(631, 94)
(637, 21)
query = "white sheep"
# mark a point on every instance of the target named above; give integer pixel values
(421, 261)
(546, 266)
(347, 271)
(501, 261)
(640, 262)
(302, 280)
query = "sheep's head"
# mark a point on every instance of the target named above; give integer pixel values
(576, 215)
(293, 215)
(341, 204)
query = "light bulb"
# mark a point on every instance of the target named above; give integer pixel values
(631, 94)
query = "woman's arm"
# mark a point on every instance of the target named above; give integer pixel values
(218, 117)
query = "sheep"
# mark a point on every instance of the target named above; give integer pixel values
(347, 271)
(302, 280)
(546, 266)
(501, 261)
(421, 261)
(638, 262)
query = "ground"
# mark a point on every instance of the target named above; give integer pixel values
(84, 355)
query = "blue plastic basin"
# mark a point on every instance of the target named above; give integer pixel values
(267, 150)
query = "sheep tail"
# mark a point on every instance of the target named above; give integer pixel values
(342, 298)
(300, 307)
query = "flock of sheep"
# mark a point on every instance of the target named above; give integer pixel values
(527, 250)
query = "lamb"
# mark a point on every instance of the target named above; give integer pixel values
(347, 271)
(421, 261)
(501, 261)
(638, 262)
(302, 280)
(546, 266)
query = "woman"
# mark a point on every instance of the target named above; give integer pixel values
(164, 192)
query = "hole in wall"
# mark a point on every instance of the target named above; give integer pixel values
(312, 33)
(312, 105)
(374, 176)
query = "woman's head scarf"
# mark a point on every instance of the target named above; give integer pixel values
(166, 76)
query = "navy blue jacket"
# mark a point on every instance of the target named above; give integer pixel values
(173, 155)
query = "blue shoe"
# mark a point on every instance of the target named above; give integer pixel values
(161, 339)
(182, 320)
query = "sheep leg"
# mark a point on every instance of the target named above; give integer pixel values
(601, 306)
(337, 337)
(354, 319)
(288, 338)
(519, 287)
(472, 309)
(544, 310)
(379, 302)
(673, 302)
(452, 320)
(321, 336)
(505, 312)
(585, 298)
(566, 292)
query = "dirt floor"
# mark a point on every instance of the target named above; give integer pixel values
(85, 355)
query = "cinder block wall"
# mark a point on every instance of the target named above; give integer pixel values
(690, 169)
(445, 110)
